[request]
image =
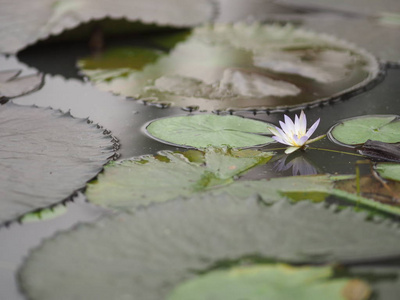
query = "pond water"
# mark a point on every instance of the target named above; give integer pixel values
(65, 89)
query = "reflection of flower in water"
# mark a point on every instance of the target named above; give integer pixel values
(299, 166)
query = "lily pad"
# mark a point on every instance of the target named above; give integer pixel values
(12, 86)
(24, 23)
(278, 282)
(388, 171)
(373, 34)
(44, 214)
(241, 66)
(45, 156)
(356, 131)
(147, 254)
(143, 180)
(201, 131)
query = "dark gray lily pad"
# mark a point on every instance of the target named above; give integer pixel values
(356, 131)
(24, 23)
(277, 282)
(12, 86)
(45, 156)
(380, 151)
(201, 131)
(143, 180)
(241, 66)
(147, 254)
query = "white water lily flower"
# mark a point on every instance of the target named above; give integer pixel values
(294, 134)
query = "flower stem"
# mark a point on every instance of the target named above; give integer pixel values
(336, 151)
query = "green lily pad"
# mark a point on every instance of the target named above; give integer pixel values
(128, 184)
(145, 255)
(25, 24)
(143, 180)
(45, 156)
(201, 131)
(356, 131)
(278, 282)
(241, 66)
(388, 170)
(44, 214)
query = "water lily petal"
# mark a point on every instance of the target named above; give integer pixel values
(286, 138)
(280, 140)
(302, 123)
(312, 128)
(291, 150)
(289, 123)
(301, 141)
(286, 129)
(296, 124)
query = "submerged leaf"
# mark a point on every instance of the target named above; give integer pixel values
(147, 254)
(277, 282)
(12, 86)
(242, 66)
(25, 23)
(201, 131)
(45, 156)
(144, 180)
(355, 131)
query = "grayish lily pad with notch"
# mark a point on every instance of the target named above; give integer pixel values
(146, 254)
(201, 131)
(12, 86)
(358, 130)
(25, 22)
(388, 170)
(242, 67)
(45, 156)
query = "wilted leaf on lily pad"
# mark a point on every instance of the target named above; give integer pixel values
(147, 254)
(201, 131)
(12, 86)
(24, 22)
(355, 131)
(380, 151)
(243, 66)
(143, 180)
(45, 156)
(372, 188)
(277, 282)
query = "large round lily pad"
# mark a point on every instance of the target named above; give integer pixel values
(201, 131)
(45, 156)
(24, 22)
(277, 282)
(241, 66)
(146, 254)
(355, 131)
